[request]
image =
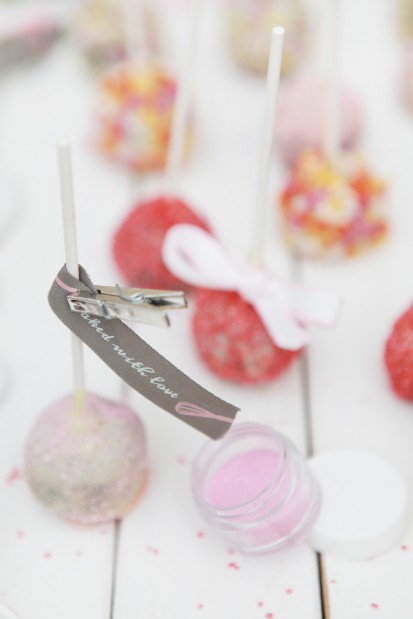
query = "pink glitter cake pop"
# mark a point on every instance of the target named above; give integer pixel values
(233, 342)
(301, 111)
(88, 466)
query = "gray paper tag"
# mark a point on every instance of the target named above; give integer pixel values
(138, 364)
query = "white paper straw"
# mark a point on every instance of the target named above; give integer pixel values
(333, 122)
(273, 80)
(72, 264)
(183, 99)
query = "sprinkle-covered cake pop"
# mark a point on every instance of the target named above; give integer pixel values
(249, 24)
(301, 112)
(398, 356)
(99, 29)
(87, 466)
(135, 116)
(138, 242)
(332, 210)
(233, 342)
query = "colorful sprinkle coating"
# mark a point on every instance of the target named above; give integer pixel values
(88, 466)
(250, 23)
(233, 342)
(135, 116)
(100, 33)
(398, 356)
(332, 210)
(137, 244)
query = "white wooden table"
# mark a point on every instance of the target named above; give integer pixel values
(163, 561)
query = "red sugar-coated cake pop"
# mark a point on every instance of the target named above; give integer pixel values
(138, 242)
(398, 356)
(233, 342)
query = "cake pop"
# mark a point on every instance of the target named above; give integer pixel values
(86, 456)
(300, 123)
(134, 116)
(249, 24)
(100, 32)
(398, 356)
(233, 342)
(138, 241)
(88, 466)
(332, 209)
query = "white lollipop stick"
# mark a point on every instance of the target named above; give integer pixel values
(273, 80)
(6, 612)
(333, 124)
(72, 264)
(134, 29)
(182, 100)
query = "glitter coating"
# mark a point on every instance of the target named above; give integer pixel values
(398, 356)
(301, 117)
(233, 342)
(87, 467)
(134, 116)
(249, 24)
(137, 243)
(332, 211)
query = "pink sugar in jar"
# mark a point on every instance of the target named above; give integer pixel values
(255, 489)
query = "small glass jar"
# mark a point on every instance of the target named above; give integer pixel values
(255, 489)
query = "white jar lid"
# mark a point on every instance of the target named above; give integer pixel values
(364, 505)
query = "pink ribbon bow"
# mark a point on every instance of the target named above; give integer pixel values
(285, 309)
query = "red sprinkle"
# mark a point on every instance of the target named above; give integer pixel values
(404, 547)
(200, 534)
(260, 604)
(374, 605)
(13, 476)
(200, 606)
(269, 616)
(234, 566)
(47, 555)
(289, 591)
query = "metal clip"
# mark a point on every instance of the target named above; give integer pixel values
(137, 304)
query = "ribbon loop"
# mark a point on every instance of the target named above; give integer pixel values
(285, 309)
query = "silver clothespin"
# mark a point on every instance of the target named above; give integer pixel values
(137, 304)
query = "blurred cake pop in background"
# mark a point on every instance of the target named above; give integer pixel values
(87, 466)
(134, 116)
(99, 29)
(398, 355)
(249, 25)
(332, 209)
(301, 112)
(29, 30)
